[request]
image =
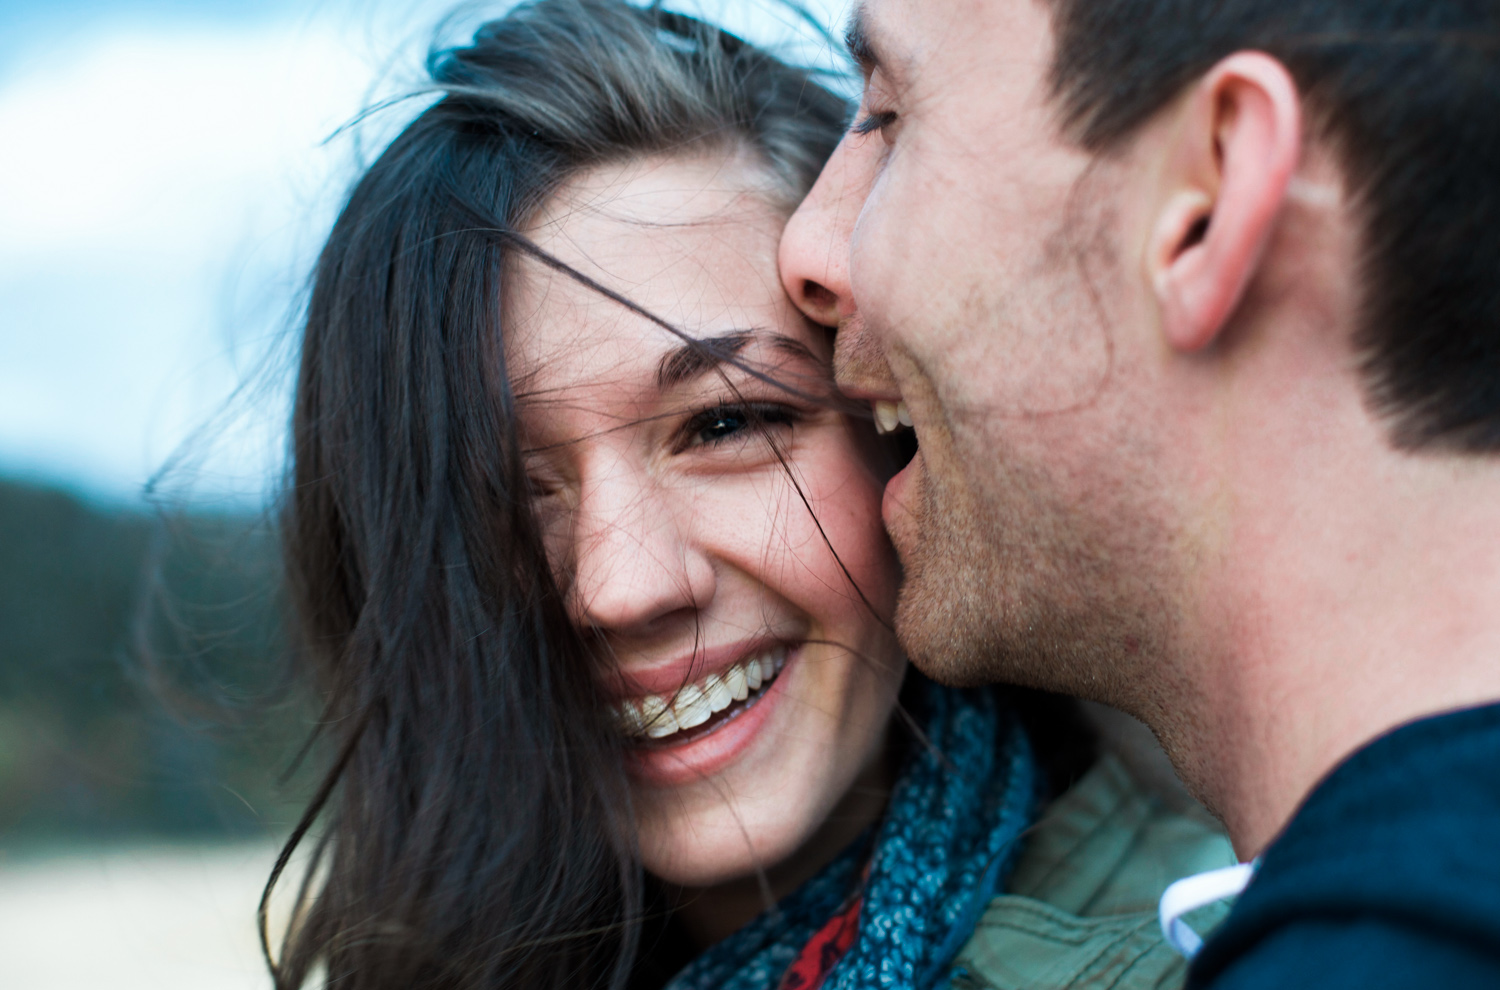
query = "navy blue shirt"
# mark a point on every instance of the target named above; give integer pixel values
(1387, 876)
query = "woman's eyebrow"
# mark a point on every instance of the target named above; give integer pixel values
(703, 355)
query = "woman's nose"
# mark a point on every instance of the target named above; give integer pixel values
(814, 254)
(634, 562)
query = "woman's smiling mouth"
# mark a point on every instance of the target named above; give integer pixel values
(690, 734)
(698, 708)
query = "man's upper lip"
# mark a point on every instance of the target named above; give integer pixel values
(667, 676)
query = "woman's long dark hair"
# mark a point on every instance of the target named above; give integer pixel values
(474, 827)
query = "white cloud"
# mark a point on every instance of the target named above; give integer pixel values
(146, 137)
(162, 191)
(159, 192)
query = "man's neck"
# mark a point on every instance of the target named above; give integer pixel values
(1358, 597)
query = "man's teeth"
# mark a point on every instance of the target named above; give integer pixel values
(657, 716)
(889, 416)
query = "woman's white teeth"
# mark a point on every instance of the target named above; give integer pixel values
(738, 684)
(657, 716)
(656, 720)
(651, 715)
(890, 416)
(719, 695)
(692, 707)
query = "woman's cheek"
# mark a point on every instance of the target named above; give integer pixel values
(847, 504)
(758, 522)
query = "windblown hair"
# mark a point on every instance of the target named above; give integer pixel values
(474, 827)
(1408, 93)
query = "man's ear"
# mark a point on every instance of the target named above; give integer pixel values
(1234, 149)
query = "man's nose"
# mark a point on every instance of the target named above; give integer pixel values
(634, 562)
(814, 255)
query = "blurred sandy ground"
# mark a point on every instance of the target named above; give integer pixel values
(159, 917)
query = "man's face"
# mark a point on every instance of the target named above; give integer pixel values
(971, 258)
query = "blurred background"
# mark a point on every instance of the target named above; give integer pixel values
(168, 169)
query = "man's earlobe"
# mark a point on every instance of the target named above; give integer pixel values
(1230, 158)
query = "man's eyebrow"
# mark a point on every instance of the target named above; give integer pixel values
(704, 355)
(857, 41)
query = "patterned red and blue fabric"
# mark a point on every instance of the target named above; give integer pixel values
(825, 949)
(940, 855)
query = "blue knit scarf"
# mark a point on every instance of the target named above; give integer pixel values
(939, 856)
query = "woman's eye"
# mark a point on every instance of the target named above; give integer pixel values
(712, 426)
(722, 426)
(539, 488)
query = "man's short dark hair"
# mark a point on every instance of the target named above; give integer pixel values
(1408, 94)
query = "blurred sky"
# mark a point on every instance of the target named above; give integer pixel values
(166, 177)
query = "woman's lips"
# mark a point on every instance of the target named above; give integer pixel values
(703, 750)
(665, 678)
(684, 707)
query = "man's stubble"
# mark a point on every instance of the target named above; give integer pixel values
(1041, 554)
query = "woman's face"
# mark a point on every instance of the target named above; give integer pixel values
(754, 682)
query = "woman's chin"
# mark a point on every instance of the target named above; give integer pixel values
(709, 865)
(701, 848)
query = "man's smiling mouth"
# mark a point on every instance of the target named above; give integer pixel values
(890, 416)
(893, 424)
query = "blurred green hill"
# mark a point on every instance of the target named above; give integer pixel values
(141, 687)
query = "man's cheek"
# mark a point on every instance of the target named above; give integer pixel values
(891, 265)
